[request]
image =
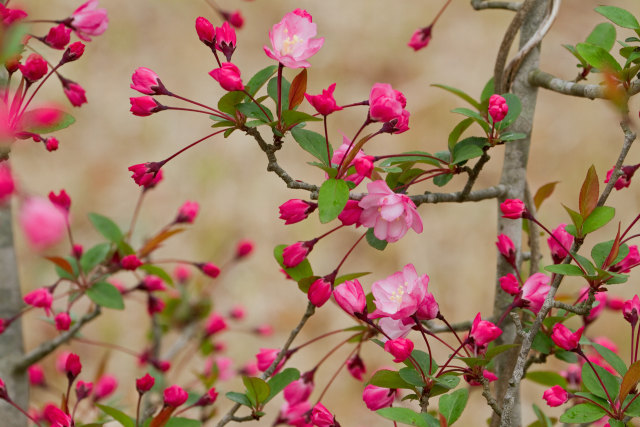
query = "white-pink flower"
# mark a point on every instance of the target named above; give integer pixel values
(535, 290)
(292, 40)
(399, 295)
(88, 20)
(390, 214)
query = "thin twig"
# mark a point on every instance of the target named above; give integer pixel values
(486, 392)
(473, 175)
(485, 4)
(515, 317)
(592, 91)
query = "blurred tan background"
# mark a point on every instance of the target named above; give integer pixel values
(365, 43)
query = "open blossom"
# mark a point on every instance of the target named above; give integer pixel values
(400, 348)
(390, 214)
(512, 208)
(43, 223)
(564, 338)
(393, 328)
(175, 396)
(292, 41)
(498, 108)
(555, 396)
(324, 103)
(350, 297)
(559, 250)
(483, 331)
(420, 38)
(146, 174)
(535, 290)
(228, 75)
(631, 310)
(88, 20)
(385, 103)
(399, 295)
(377, 397)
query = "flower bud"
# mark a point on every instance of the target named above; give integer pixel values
(145, 383)
(350, 297)
(512, 208)
(498, 108)
(555, 396)
(319, 292)
(63, 321)
(175, 396)
(564, 338)
(400, 348)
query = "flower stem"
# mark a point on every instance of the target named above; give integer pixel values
(326, 138)
(258, 104)
(280, 67)
(581, 353)
(221, 114)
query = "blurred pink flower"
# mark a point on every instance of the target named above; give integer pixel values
(43, 223)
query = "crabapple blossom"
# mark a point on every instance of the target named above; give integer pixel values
(187, 212)
(146, 174)
(61, 200)
(555, 396)
(73, 52)
(174, 396)
(130, 262)
(74, 93)
(631, 310)
(385, 103)
(9, 16)
(512, 208)
(321, 417)
(36, 375)
(72, 366)
(399, 295)
(350, 215)
(208, 398)
(206, 31)
(319, 292)
(43, 223)
(564, 338)
(394, 328)
(143, 106)
(83, 389)
(483, 331)
(535, 290)
(63, 321)
(324, 103)
(226, 40)
(296, 210)
(152, 283)
(506, 248)
(235, 18)
(498, 108)
(145, 383)
(377, 397)
(428, 308)
(215, 323)
(244, 248)
(34, 68)
(292, 41)
(294, 254)
(105, 387)
(7, 184)
(298, 391)
(356, 367)
(58, 37)
(51, 144)
(265, 358)
(400, 348)
(228, 75)
(56, 416)
(559, 250)
(420, 38)
(40, 298)
(390, 214)
(361, 160)
(625, 179)
(210, 269)
(510, 284)
(631, 260)
(88, 20)
(146, 81)
(350, 297)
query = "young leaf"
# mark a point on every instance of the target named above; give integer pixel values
(459, 93)
(618, 16)
(106, 227)
(313, 143)
(630, 380)
(298, 88)
(389, 379)
(250, 109)
(452, 405)
(546, 378)
(94, 256)
(106, 295)
(332, 198)
(589, 193)
(582, 413)
(257, 390)
(599, 217)
(603, 35)
(259, 79)
(278, 382)
(56, 120)
(155, 242)
(406, 416)
(374, 242)
(117, 415)
(576, 218)
(598, 57)
(543, 193)
(62, 264)
(341, 279)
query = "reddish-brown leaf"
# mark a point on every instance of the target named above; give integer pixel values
(297, 89)
(163, 417)
(62, 263)
(155, 242)
(589, 193)
(630, 380)
(443, 420)
(615, 249)
(354, 151)
(543, 193)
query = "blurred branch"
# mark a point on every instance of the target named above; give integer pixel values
(474, 196)
(592, 91)
(486, 4)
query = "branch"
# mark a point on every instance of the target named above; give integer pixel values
(485, 4)
(580, 309)
(48, 347)
(516, 321)
(230, 415)
(459, 197)
(473, 175)
(486, 392)
(592, 91)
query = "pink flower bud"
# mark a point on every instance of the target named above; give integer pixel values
(625, 179)
(7, 184)
(161, 365)
(4, 324)
(265, 358)
(61, 200)
(385, 103)
(428, 308)
(298, 391)
(483, 331)
(324, 103)
(555, 396)
(154, 305)
(209, 269)
(364, 165)
(145, 383)
(182, 273)
(631, 260)
(420, 38)
(57, 417)
(105, 387)
(236, 19)
(228, 75)
(40, 298)
(296, 210)
(43, 223)
(73, 52)
(34, 68)
(215, 323)
(9, 16)
(208, 398)
(3, 391)
(264, 330)
(498, 108)
(88, 20)
(535, 290)
(564, 338)
(506, 248)
(559, 250)
(377, 397)
(205, 30)
(51, 143)
(83, 389)
(356, 367)
(294, 254)
(631, 310)
(509, 284)
(63, 321)
(58, 37)
(244, 248)
(400, 348)
(143, 106)
(130, 262)
(319, 292)
(226, 40)
(72, 366)
(351, 214)
(146, 81)
(321, 417)
(152, 283)
(512, 208)
(146, 174)
(175, 396)
(292, 41)
(238, 312)
(616, 304)
(74, 92)
(350, 297)
(36, 375)
(187, 213)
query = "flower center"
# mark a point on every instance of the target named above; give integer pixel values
(290, 43)
(396, 296)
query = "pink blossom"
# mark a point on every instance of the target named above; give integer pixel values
(319, 292)
(385, 103)
(356, 367)
(175, 396)
(420, 38)
(625, 179)
(321, 417)
(394, 328)
(535, 290)
(564, 338)
(509, 284)
(226, 40)
(146, 81)
(144, 384)
(9, 16)
(187, 212)
(399, 295)
(73, 52)
(206, 31)
(143, 106)
(236, 19)
(130, 262)
(350, 297)
(63, 321)
(506, 248)
(215, 323)
(628, 262)
(400, 348)
(296, 210)
(36, 375)
(4, 324)
(244, 248)
(360, 157)
(88, 20)
(40, 298)
(7, 184)
(51, 144)
(558, 250)
(377, 397)
(146, 174)
(473, 379)
(83, 389)
(573, 375)
(154, 305)
(292, 40)
(298, 391)
(498, 108)
(3, 390)
(61, 200)
(555, 396)
(56, 416)
(105, 387)
(631, 310)
(265, 358)
(294, 254)
(74, 92)
(615, 303)
(238, 312)
(324, 103)
(428, 308)
(295, 414)
(512, 208)
(208, 398)
(390, 214)
(596, 309)
(210, 269)
(34, 68)
(182, 273)
(228, 75)
(58, 37)
(483, 331)
(265, 330)
(350, 215)
(72, 366)
(152, 283)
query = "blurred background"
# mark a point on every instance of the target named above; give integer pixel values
(365, 43)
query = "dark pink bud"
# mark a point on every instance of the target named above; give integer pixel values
(62, 200)
(74, 92)
(377, 397)
(63, 321)
(145, 106)
(498, 108)
(226, 40)
(58, 37)
(130, 262)
(188, 212)
(420, 38)
(147, 82)
(210, 269)
(57, 417)
(72, 366)
(208, 398)
(3, 391)
(105, 387)
(236, 19)
(364, 165)
(228, 75)
(351, 213)
(350, 297)
(36, 375)
(238, 312)
(631, 310)
(298, 391)
(512, 208)
(34, 68)
(175, 396)
(321, 417)
(631, 260)
(558, 246)
(385, 103)
(51, 144)
(244, 248)
(182, 273)
(206, 31)
(40, 298)
(564, 338)
(265, 358)
(555, 396)
(400, 348)
(509, 284)
(152, 283)
(296, 210)
(154, 305)
(483, 331)
(319, 292)
(161, 365)
(294, 254)
(215, 323)
(7, 184)
(73, 52)
(324, 103)
(147, 174)
(9, 16)
(83, 389)
(356, 367)
(506, 248)
(264, 330)
(145, 383)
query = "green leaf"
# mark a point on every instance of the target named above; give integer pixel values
(454, 136)
(512, 136)
(564, 269)
(157, 271)
(183, 422)
(106, 227)
(313, 143)
(252, 110)
(515, 107)
(238, 398)
(290, 117)
(351, 276)
(615, 423)
(259, 79)
(468, 148)
(411, 156)
(618, 16)
(566, 356)
(63, 274)
(598, 218)
(389, 379)
(582, 413)
(332, 198)
(442, 180)
(298, 272)
(472, 362)
(411, 376)
(547, 378)
(634, 408)
(229, 124)
(279, 381)
(423, 360)
(598, 57)
(586, 264)
(272, 90)
(452, 405)
(543, 420)
(601, 251)
(487, 91)
(590, 381)
(228, 102)
(459, 93)
(477, 117)
(576, 218)
(57, 120)
(406, 416)
(374, 242)
(257, 390)
(106, 295)
(603, 35)
(444, 383)
(542, 343)
(94, 256)
(494, 351)
(117, 415)
(611, 358)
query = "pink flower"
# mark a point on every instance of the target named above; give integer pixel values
(236, 19)
(225, 367)
(596, 309)
(40, 298)
(7, 184)
(182, 273)
(73, 52)
(394, 328)
(558, 250)
(3, 390)
(377, 397)
(146, 81)
(420, 38)
(215, 323)
(154, 305)
(564, 338)
(350, 297)
(238, 312)
(428, 308)
(324, 103)
(105, 387)
(294, 254)
(130, 262)
(512, 208)
(145, 383)
(83, 389)
(321, 417)
(390, 214)
(9, 16)
(228, 75)
(631, 260)
(88, 20)
(555, 396)
(206, 31)
(615, 303)
(510, 284)
(34, 68)
(351, 213)
(51, 144)
(400, 348)
(210, 269)
(385, 103)
(152, 283)
(74, 92)
(295, 414)
(483, 331)
(36, 375)
(535, 290)
(361, 160)
(244, 248)
(265, 358)
(146, 175)
(56, 416)
(356, 367)
(174, 396)
(473, 379)
(298, 391)
(208, 398)
(292, 40)
(319, 292)
(631, 310)
(188, 212)
(506, 248)
(226, 40)
(296, 210)
(58, 37)
(72, 366)
(61, 200)
(144, 106)
(399, 295)
(63, 321)
(625, 179)
(498, 108)
(264, 330)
